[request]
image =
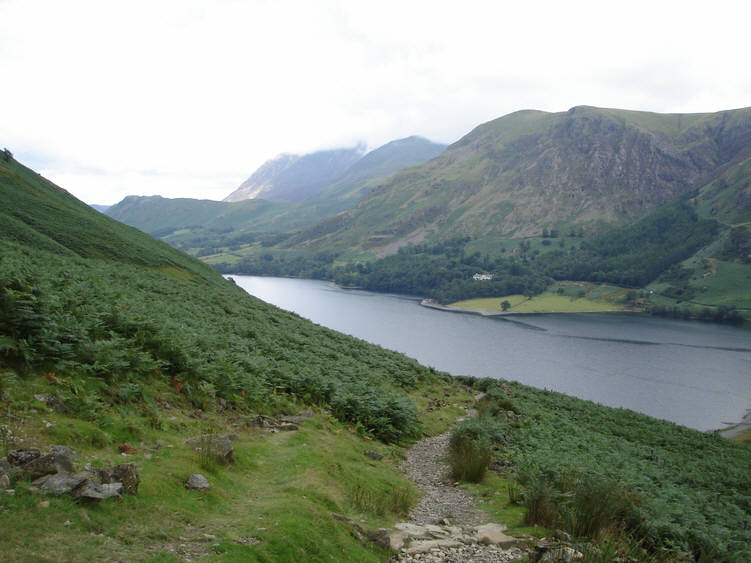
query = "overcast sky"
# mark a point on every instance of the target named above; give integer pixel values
(187, 99)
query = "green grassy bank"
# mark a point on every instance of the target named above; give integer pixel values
(563, 297)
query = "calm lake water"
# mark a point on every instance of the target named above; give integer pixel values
(695, 374)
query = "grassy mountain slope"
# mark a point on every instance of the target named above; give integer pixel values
(189, 223)
(139, 341)
(155, 214)
(40, 216)
(192, 224)
(530, 170)
(95, 290)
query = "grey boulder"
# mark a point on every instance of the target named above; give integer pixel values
(197, 482)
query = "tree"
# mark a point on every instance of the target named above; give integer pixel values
(505, 305)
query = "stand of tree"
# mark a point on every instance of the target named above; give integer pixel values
(631, 256)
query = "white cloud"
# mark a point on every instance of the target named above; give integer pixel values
(202, 93)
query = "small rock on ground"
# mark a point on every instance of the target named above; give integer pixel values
(197, 482)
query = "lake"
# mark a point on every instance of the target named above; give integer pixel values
(695, 374)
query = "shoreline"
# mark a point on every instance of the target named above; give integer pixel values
(734, 429)
(488, 313)
(731, 429)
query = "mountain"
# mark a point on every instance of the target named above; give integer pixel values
(100, 208)
(641, 200)
(178, 219)
(587, 168)
(191, 223)
(291, 177)
(339, 173)
(381, 163)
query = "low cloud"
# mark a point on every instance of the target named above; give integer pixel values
(200, 94)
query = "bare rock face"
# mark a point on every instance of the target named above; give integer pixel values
(59, 483)
(273, 425)
(197, 482)
(89, 489)
(58, 459)
(217, 447)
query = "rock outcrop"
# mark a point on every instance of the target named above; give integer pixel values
(54, 473)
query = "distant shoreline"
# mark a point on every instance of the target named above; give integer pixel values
(488, 313)
(731, 430)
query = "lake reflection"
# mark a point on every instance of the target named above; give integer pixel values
(695, 374)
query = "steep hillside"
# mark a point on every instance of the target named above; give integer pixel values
(528, 171)
(379, 164)
(204, 225)
(135, 342)
(91, 299)
(42, 217)
(189, 223)
(291, 177)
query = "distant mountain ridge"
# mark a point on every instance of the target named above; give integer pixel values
(209, 223)
(531, 170)
(292, 178)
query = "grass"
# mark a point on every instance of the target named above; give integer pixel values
(743, 437)
(272, 504)
(574, 297)
(493, 496)
(439, 405)
(730, 284)
(469, 461)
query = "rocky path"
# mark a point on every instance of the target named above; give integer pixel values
(446, 525)
(442, 501)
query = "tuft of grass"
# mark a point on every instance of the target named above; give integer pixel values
(470, 447)
(397, 501)
(469, 461)
(599, 505)
(542, 503)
